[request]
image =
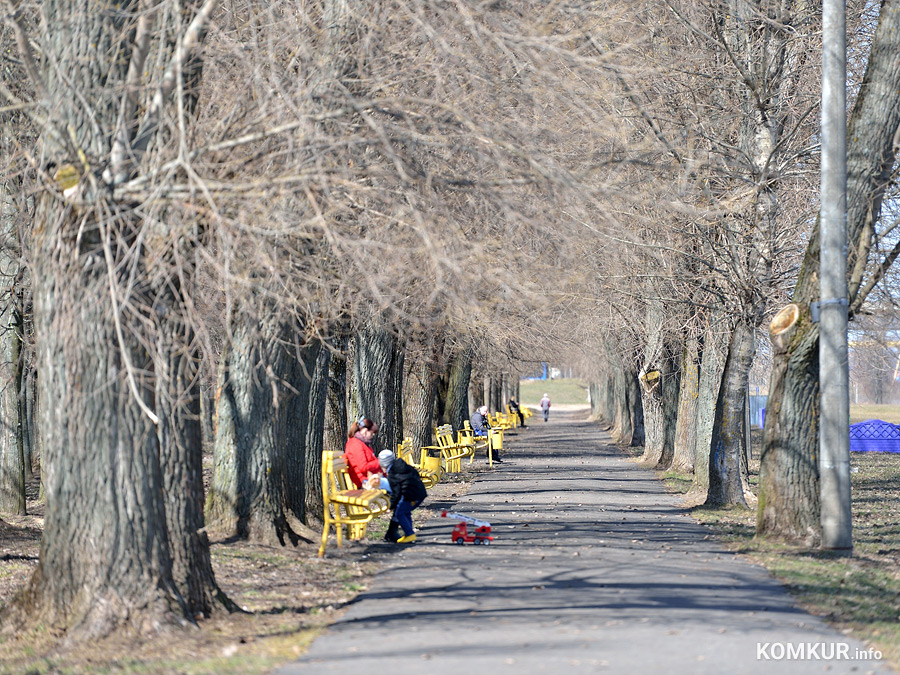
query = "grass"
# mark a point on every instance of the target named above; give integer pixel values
(858, 594)
(561, 391)
(887, 413)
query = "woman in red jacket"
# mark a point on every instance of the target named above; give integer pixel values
(361, 460)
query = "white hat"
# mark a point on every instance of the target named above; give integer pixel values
(385, 459)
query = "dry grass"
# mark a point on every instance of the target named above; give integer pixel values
(888, 413)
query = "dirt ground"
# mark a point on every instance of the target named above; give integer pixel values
(288, 593)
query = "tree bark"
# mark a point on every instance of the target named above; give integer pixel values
(378, 375)
(315, 435)
(659, 402)
(688, 407)
(728, 440)
(712, 366)
(246, 496)
(297, 426)
(181, 459)
(458, 388)
(105, 558)
(12, 458)
(336, 424)
(419, 388)
(788, 493)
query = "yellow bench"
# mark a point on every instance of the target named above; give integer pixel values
(500, 421)
(452, 451)
(343, 505)
(429, 468)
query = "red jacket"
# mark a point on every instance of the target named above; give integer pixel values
(361, 461)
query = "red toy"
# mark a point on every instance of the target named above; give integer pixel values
(460, 534)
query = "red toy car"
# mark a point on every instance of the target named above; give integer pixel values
(461, 534)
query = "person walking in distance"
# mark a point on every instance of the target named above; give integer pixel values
(545, 406)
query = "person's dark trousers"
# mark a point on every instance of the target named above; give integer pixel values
(403, 515)
(546, 415)
(521, 419)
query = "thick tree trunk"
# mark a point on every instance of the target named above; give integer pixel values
(688, 407)
(419, 387)
(378, 375)
(789, 491)
(728, 440)
(315, 436)
(297, 426)
(712, 366)
(12, 459)
(336, 423)
(457, 410)
(181, 458)
(105, 558)
(659, 401)
(246, 496)
(789, 469)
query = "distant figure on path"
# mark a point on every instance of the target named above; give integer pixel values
(545, 406)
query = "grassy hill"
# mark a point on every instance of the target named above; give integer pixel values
(562, 391)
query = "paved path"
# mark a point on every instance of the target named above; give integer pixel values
(595, 569)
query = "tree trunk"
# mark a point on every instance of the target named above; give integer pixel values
(789, 490)
(246, 496)
(181, 458)
(712, 366)
(12, 459)
(378, 380)
(728, 440)
(296, 425)
(688, 407)
(105, 558)
(659, 402)
(315, 435)
(336, 424)
(419, 387)
(789, 468)
(458, 388)
(26, 413)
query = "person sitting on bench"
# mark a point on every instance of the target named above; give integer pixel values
(479, 421)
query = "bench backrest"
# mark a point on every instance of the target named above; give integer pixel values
(444, 435)
(405, 451)
(334, 473)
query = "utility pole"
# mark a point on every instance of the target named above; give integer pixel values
(834, 376)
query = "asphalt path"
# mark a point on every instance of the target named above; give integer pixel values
(594, 569)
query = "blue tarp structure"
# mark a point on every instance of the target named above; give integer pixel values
(874, 436)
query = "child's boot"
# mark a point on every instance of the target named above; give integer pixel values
(407, 539)
(392, 535)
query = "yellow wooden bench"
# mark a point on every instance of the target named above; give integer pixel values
(467, 433)
(430, 472)
(452, 451)
(353, 507)
(500, 421)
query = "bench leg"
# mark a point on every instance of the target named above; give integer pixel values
(325, 533)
